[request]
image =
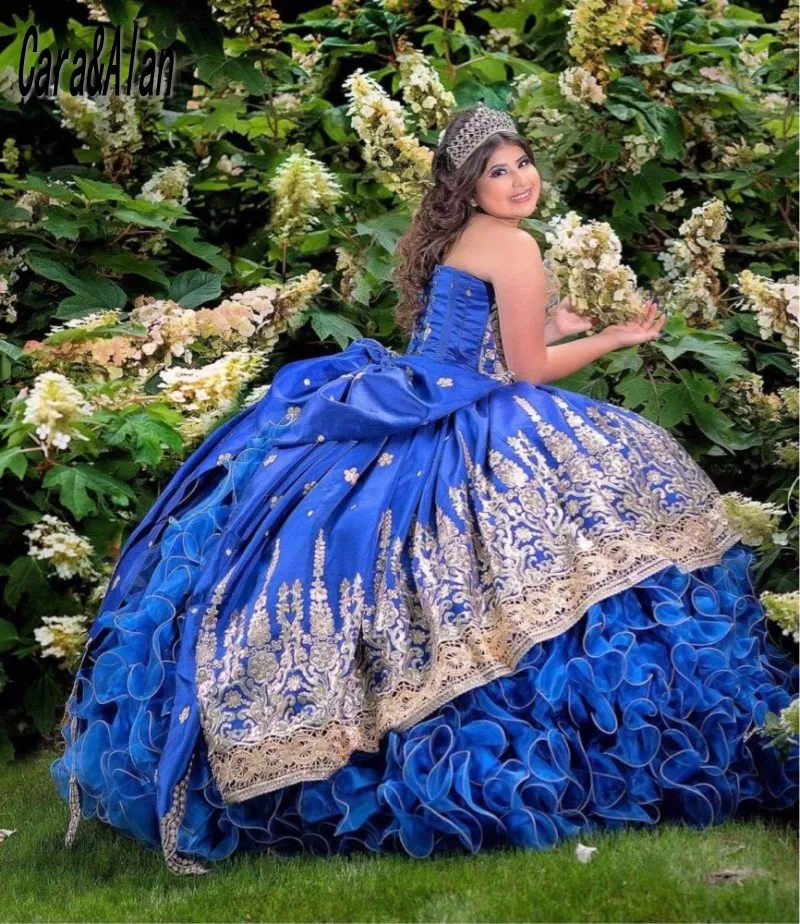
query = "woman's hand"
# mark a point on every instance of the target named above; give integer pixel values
(566, 321)
(632, 333)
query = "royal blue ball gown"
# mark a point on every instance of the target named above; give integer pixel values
(407, 603)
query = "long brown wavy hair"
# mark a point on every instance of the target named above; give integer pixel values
(442, 216)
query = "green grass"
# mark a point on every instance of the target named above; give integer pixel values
(644, 875)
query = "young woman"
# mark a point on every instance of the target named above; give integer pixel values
(429, 601)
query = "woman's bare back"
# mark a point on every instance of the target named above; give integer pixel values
(474, 250)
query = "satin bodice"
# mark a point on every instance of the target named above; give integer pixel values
(459, 322)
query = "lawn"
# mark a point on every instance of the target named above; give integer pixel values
(655, 875)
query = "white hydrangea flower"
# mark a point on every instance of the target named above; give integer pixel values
(170, 184)
(54, 406)
(62, 637)
(581, 87)
(55, 541)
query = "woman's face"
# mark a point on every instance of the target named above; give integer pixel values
(509, 173)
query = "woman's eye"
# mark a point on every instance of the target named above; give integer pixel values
(525, 160)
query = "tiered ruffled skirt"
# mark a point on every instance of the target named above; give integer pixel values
(640, 712)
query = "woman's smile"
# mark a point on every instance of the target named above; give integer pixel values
(522, 197)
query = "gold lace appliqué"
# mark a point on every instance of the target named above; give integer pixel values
(568, 516)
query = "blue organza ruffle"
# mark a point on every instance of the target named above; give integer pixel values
(638, 713)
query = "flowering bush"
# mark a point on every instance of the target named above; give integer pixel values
(160, 259)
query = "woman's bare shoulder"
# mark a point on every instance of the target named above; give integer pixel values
(482, 247)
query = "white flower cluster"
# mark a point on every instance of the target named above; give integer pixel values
(309, 59)
(54, 406)
(587, 258)
(302, 186)
(551, 202)
(750, 54)
(690, 284)
(581, 87)
(524, 84)
(693, 297)
(539, 123)
(776, 304)
(114, 123)
(11, 265)
(256, 20)
(757, 521)
(230, 166)
(10, 155)
(35, 203)
(210, 391)
(789, 24)
(674, 200)
(502, 39)
(256, 394)
(402, 164)
(790, 719)
(637, 151)
(744, 397)
(423, 91)
(62, 637)
(55, 541)
(790, 397)
(170, 327)
(698, 245)
(170, 184)
(451, 6)
(9, 85)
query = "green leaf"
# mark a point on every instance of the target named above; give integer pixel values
(386, 229)
(194, 288)
(8, 635)
(77, 334)
(10, 350)
(92, 291)
(9, 212)
(785, 163)
(640, 392)
(715, 350)
(75, 481)
(327, 324)
(128, 264)
(712, 422)
(674, 408)
(72, 490)
(42, 699)
(667, 123)
(62, 225)
(624, 361)
(15, 460)
(600, 147)
(25, 579)
(145, 218)
(12, 52)
(186, 239)
(98, 191)
(146, 435)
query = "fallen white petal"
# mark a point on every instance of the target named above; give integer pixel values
(584, 853)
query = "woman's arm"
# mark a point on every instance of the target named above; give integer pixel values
(519, 285)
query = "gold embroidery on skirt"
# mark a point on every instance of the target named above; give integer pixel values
(539, 535)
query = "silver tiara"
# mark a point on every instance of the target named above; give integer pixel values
(484, 123)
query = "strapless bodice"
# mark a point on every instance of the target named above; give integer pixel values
(459, 322)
